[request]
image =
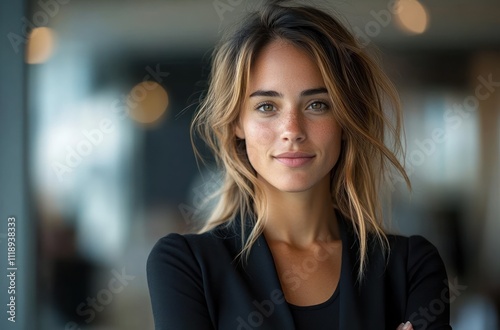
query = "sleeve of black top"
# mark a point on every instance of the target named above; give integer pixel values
(176, 286)
(428, 305)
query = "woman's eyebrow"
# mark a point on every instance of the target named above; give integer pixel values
(314, 91)
(266, 93)
(307, 92)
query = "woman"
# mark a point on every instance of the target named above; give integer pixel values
(295, 115)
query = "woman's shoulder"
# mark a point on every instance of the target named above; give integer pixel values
(193, 244)
(411, 245)
(399, 246)
(415, 253)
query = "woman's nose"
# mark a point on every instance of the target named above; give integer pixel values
(293, 129)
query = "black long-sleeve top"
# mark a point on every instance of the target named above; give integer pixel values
(195, 282)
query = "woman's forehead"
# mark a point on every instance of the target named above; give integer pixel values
(280, 63)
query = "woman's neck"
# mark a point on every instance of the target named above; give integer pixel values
(301, 218)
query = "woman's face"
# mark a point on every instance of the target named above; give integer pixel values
(292, 137)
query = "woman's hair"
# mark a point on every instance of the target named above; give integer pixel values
(360, 91)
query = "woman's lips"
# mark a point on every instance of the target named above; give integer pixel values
(294, 159)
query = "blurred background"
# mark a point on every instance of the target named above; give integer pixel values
(96, 100)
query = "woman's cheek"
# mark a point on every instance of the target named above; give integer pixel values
(258, 138)
(261, 133)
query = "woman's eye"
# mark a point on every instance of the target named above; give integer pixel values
(267, 107)
(318, 106)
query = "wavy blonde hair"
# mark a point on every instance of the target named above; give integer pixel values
(356, 84)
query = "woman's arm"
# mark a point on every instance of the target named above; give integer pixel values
(428, 304)
(176, 286)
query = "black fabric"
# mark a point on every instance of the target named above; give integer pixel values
(195, 283)
(324, 316)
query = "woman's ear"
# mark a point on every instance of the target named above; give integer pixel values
(238, 130)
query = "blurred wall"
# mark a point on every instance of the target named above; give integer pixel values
(17, 228)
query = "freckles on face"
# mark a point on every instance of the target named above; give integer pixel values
(292, 137)
(260, 133)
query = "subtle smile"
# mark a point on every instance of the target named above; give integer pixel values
(294, 159)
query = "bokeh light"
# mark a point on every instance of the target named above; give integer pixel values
(40, 46)
(147, 102)
(412, 16)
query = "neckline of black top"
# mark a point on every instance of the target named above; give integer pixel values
(322, 305)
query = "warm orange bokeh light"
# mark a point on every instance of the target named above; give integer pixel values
(412, 16)
(40, 47)
(147, 102)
